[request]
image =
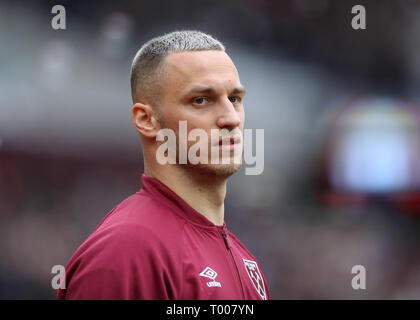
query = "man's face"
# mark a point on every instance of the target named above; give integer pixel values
(203, 89)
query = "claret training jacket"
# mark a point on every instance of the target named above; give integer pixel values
(153, 245)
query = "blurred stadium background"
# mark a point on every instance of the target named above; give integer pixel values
(340, 113)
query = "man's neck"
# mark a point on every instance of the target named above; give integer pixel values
(203, 193)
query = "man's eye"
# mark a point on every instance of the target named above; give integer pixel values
(235, 99)
(200, 100)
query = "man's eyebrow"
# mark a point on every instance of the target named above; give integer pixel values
(211, 90)
(239, 90)
(202, 90)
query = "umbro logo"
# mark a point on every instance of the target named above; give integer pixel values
(211, 274)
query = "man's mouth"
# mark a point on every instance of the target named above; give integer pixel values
(229, 143)
(229, 140)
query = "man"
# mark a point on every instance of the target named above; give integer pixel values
(169, 240)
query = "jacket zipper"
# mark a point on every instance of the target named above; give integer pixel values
(225, 239)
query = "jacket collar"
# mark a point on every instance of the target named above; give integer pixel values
(161, 192)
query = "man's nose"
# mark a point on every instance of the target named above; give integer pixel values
(229, 116)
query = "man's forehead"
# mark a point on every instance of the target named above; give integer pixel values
(196, 63)
(190, 68)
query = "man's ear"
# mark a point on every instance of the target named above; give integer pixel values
(144, 119)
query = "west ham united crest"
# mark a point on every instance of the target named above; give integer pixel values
(255, 276)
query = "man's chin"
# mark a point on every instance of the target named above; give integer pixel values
(216, 170)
